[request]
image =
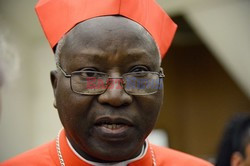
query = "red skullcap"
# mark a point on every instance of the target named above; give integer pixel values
(57, 17)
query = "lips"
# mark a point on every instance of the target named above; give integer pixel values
(113, 128)
(107, 120)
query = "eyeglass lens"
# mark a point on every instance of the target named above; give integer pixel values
(92, 83)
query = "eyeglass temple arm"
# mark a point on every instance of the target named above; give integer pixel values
(161, 74)
(64, 73)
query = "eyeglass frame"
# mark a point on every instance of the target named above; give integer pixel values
(160, 74)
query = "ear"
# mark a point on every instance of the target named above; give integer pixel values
(236, 159)
(54, 80)
(161, 69)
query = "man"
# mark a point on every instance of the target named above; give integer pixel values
(108, 85)
(235, 145)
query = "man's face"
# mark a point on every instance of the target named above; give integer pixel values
(111, 126)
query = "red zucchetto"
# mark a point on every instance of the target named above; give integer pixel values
(57, 17)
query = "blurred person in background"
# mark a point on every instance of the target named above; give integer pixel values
(8, 62)
(108, 83)
(1, 73)
(234, 149)
(1, 67)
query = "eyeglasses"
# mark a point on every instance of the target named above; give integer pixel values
(133, 83)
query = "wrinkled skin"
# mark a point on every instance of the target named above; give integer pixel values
(114, 45)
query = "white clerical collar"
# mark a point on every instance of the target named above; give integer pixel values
(123, 163)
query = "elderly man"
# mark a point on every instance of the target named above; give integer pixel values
(108, 85)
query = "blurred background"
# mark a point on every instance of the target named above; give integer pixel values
(207, 76)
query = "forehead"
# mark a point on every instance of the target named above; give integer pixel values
(109, 37)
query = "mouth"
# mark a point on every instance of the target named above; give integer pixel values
(113, 128)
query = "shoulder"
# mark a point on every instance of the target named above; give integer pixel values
(167, 156)
(38, 156)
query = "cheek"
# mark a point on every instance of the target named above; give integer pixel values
(72, 108)
(151, 104)
(149, 108)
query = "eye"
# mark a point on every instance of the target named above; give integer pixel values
(89, 72)
(139, 69)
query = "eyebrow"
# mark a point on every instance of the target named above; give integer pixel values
(137, 52)
(91, 52)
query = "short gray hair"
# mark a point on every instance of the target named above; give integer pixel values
(58, 50)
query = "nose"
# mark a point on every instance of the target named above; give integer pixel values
(115, 95)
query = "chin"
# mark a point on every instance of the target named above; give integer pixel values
(115, 151)
(117, 155)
